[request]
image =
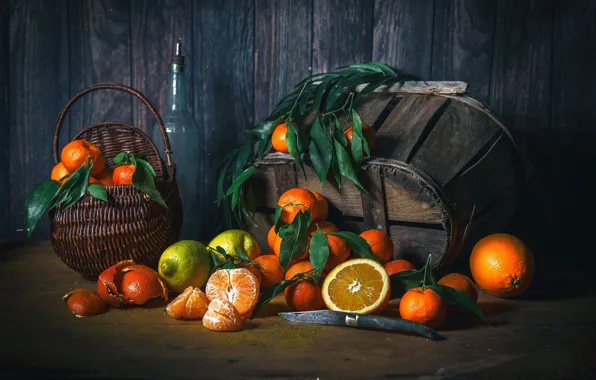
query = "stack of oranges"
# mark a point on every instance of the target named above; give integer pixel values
(75, 154)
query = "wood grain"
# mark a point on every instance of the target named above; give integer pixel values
(373, 208)
(342, 33)
(38, 89)
(99, 33)
(5, 117)
(224, 61)
(406, 124)
(403, 33)
(460, 133)
(155, 28)
(283, 50)
(463, 43)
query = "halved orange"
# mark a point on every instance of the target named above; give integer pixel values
(358, 286)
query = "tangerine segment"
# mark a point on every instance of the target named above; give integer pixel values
(238, 286)
(222, 316)
(190, 304)
(357, 285)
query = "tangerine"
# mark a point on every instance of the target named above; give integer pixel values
(339, 250)
(270, 270)
(59, 173)
(423, 305)
(271, 237)
(369, 134)
(141, 284)
(84, 302)
(502, 265)
(221, 315)
(76, 152)
(123, 174)
(238, 286)
(398, 265)
(462, 283)
(303, 295)
(190, 304)
(321, 210)
(295, 200)
(278, 138)
(380, 244)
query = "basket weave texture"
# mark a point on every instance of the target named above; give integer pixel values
(92, 235)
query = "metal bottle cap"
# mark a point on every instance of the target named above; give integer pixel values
(178, 58)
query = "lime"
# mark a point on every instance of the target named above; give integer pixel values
(183, 264)
(236, 238)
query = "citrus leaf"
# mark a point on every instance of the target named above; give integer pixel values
(249, 204)
(458, 298)
(404, 281)
(242, 256)
(264, 130)
(304, 98)
(322, 89)
(292, 142)
(321, 152)
(98, 191)
(146, 164)
(278, 221)
(357, 129)
(373, 85)
(334, 94)
(270, 294)
(229, 264)
(356, 243)
(66, 191)
(144, 181)
(220, 181)
(79, 187)
(319, 250)
(242, 157)
(357, 138)
(295, 239)
(38, 202)
(264, 147)
(245, 175)
(428, 276)
(339, 134)
(121, 158)
(345, 167)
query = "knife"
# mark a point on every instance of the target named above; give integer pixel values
(377, 322)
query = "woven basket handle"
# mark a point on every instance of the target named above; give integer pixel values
(129, 90)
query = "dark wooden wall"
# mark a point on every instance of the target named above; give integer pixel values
(531, 61)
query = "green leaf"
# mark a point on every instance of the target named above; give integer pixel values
(242, 157)
(229, 264)
(322, 89)
(270, 294)
(357, 139)
(319, 250)
(278, 222)
(458, 298)
(79, 187)
(373, 85)
(357, 129)
(264, 130)
(304, 98)
(321, 152)
(428, 273)
(356, 243)
(144, 181)
(67, 190)
(292, 142)
(339, 133)
(404, 281)
(146, 164)
(242, 256)
(121, 158)
(295, 239)
(98, 191)
(221, 180)
(243, 177)
(334, 94)
(38, 202)
(345, 167)
(249, 204)
(264, 147)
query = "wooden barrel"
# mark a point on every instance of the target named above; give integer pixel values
(444, 172)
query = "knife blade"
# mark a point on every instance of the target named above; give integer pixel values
(377, 322)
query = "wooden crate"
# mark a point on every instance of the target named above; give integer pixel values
(444, 173)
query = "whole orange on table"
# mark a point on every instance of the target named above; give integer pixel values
(76, 152)
(502, 265)
(303, 295)
(423, 305)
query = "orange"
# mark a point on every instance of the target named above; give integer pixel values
(270, 270)
(502, 265)
(462, 283)
(424, 306)
(321, 210)
(339, 250)
(380, 244)
(84, 302)
(369, 134)
(295, 200)
(277, 249)
(105, 177)
(398, 265)
(254, 270)
(238, 286)
(192, 303)
(221, 315)
(123, 174)
(357, 285)
(92, 180)
(75, 154)
(271, 238)
(141, 284)
(303, 295)
(59, 173)
(278, 138)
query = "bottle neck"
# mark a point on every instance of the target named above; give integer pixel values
(177, 89)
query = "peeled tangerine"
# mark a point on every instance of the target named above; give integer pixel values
(190, 304)
(222, 316)
(84, 302)
(238, 286)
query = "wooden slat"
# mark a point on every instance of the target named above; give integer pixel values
(38, 89)
(460, 133)
(5, 117)
(342, 33)
(373, 208)
(405, 125)
(371, 106)
(223, 35)
(285, 178)
(155, 27)
(99, 32)
(402, 34)
(283, 34)
(463, 42)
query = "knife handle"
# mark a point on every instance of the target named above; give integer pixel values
(391, 324)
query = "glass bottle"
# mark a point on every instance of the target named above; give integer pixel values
(185, 142)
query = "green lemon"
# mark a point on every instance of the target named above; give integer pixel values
(183, 264)
(236, 238)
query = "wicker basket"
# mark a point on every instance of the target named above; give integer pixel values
(93, 235)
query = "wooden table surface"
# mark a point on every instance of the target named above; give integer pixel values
(537, 339)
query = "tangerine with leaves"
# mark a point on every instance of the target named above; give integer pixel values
(270, 270)
(367, 131)
(461, 283)
(278, 138)
(398, 265)
(123, 174)
(423, 305)
(339, 250)
(277, 249)
(380, 244)
(75, 154)
(502, 265)
(295, 200)
(238, 286)
(303, 295)
(59, 173)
